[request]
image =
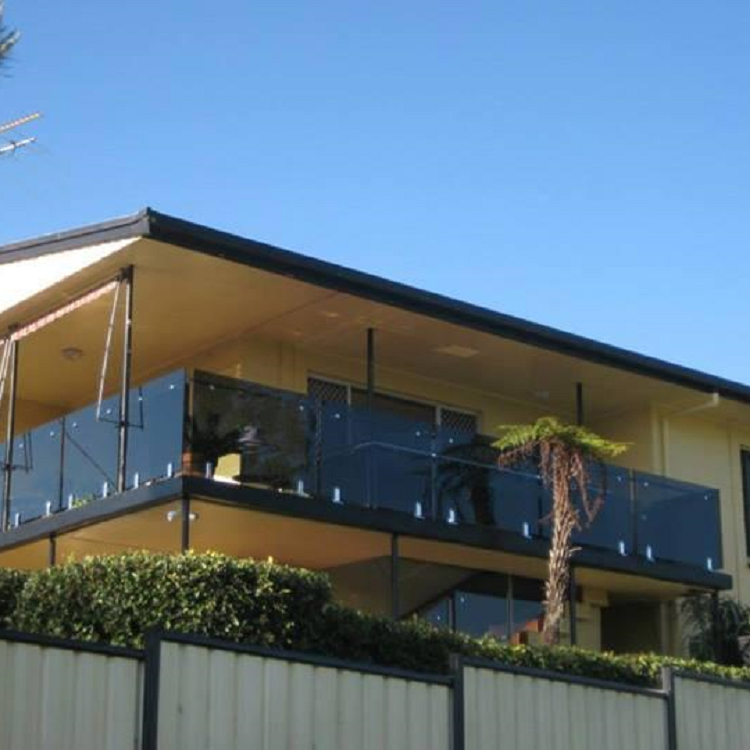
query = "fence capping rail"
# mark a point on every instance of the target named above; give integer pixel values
(710, 679)
(68, 644)
(548, 674)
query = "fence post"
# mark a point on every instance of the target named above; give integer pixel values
(152, 668)
(668, 686)
(459, 709)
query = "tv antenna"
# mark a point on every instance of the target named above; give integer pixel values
(13, 144)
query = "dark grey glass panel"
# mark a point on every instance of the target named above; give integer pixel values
(90, 453)
(156, 432)
(527, 608)
(400, 479)
(613, 523)
(678, 521)
(267, 430)
(482, 614)
(438, 614)
(35, 488)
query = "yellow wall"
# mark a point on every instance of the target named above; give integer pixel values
(699, 448)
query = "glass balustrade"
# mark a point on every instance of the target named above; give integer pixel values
(243, 433)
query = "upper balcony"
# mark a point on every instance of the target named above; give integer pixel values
(236, 432)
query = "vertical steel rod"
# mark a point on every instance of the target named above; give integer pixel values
(579, 404)
(185, 524)
(370, 368)
(127, 357)
(395, 565)
(572, 606)
(52, 550)
(9, 435)
(716, 627)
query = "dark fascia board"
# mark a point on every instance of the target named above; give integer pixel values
(95, 512)
(198, 238)
(368, 519)
(484, 537)
(125, 227)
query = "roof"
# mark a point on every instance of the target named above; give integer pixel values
(196, 237)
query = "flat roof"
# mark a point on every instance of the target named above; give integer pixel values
(231, 247)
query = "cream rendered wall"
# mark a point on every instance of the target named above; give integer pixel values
(696, 448)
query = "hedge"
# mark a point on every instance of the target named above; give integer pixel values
(11, 585)
(119, 599)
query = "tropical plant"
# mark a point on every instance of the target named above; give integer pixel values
(565, 454)
(8, 37)
(713, 631)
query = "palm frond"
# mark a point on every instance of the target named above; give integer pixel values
(525, 438)
(8, 37)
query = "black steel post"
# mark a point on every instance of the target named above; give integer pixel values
(716, 627)
(573, 606)
(185, 524)
(127, 356)
(10, 434)
(579, 403)
(370, 368)
(395, 570)
(52, 550)
(61, 475)
(369, 458)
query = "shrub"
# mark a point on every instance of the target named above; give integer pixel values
(11, 584)
(119, 599)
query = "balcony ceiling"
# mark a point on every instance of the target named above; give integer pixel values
(187, 302)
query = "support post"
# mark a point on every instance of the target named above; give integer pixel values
(573, 606)
(579, 404)
(369, 457)
(370, 368)
(10, 434)
(395, 570)
(716, 627)
(668, 686)
(52, 550)
(127, 356)
(185, 524)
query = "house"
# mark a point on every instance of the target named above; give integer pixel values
(166, 386)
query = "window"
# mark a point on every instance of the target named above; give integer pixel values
(331, 391)
(745, 461)
(508, 608)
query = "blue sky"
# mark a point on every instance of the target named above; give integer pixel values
(583, 164)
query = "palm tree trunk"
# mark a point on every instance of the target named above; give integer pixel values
(564, 522)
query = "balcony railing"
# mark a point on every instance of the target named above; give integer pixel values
(239, 432)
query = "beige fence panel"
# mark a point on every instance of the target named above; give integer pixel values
(526, 711)
(54, 698)
(711, 714)
(213, 697)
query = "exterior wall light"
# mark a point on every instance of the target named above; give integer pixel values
(72, 353)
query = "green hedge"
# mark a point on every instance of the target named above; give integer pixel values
(119, 599)
(11, 585)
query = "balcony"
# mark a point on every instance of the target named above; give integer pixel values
(241, 433)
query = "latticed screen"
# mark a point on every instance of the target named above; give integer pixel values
(458, 420)
(327, 392)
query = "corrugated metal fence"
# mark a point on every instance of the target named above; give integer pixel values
(528, 709)
(710, 713)
(190, 693)
(56, 695)
(211, 696)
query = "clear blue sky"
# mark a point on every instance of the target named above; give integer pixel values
(581, 164)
